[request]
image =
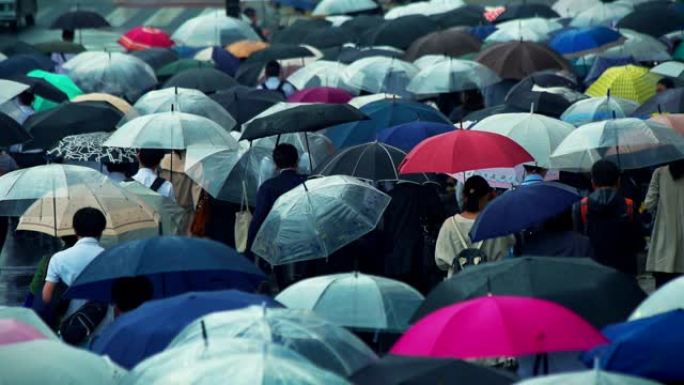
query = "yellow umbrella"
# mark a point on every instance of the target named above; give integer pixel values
(117, 102)
(245, 48)
(629, 82)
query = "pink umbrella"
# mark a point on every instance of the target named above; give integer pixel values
(498, 326)
(321, 95)
(12, 331)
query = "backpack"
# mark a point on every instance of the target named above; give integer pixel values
(76, 328)
(156, 185)
(471, 255)
(279, 89)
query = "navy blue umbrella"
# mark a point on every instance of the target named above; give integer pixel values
(23, 64)
(522, 209)
(174, 265)
(150, 328)
(408, 135)
(225, 61)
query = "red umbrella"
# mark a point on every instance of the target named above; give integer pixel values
(321, 95)
(140, 38)
(463, 150)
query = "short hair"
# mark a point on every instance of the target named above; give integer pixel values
(605, 173)
(667, 83)
(128, 293)
(150, 157)
(530, 169)
(285, 156)
(89, 222)
(68, 35)
(272, 69)
(474, 189)
(250, 12)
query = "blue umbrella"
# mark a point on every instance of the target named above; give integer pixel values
(574, 42)
(225, 61)
(174, 265)
(522, 209)
(23, 64)
(150, 328)
(482, 31)
(649, 347)
(408, 135)
(382, 114)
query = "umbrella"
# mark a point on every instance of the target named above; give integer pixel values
(605, 14)
(244, 103)
(112, 73)
(24, 63)
(355, 300)
(538, 24)
(663, 300)
(325, 344)
(427, 8)
(12, 132)
(603, 62)
(329, 37)
(515, 34)
(597, 109)
(321, 95)
(62, 83)
(629, 82)
(245, 48)
(214, 28)
(399, 370)
(295, 117)
(645, 347)
(526, 10)
(88, 148)
(571, 8)
(575, 42)
(539, 135)
(27, 317)
(333, 7)
(281, 52)
(164, 260)
(452, 75)
(630, 143)
(207, 80)
(10, 89)
(184, 100)
(461, 150)
(170, 215)
(171, 131)
(156, 57)
(452, 42)
(117, 102)
(350, 54)
(498, 326)
(364, 100)
(551, 100)
(467, 15)
(79, 19)
(589, 377)
(651, 21)
(40, 87)
(140, 38)
(149, 329)
(516, 60)
(175, 67)
(295, 33)
(671, 69)
(317, 218)
(668, 101)
(599, 294)
(320, 73)
(675, 121)
(13, 47)
(640, 46)
(400, 33)
(12, 332)
(406, 136)
(55, 362)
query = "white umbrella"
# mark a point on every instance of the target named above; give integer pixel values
(10, 89)
(640, 46)
(320, 73)
(671, 69)
(341, 7)
(589, 377)
(380, 74)
(536, 24)
(429, 60)
(571, 8)
(432, 7)
(361, 101)
(214, 28)
(452, 75)
(667, 298)
(597, 109)
(355, 300)
(605, 14)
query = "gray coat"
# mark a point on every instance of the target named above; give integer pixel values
(665, 197)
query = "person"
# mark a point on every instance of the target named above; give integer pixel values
(68, 35)
(453, 238)
(20, 108)
(555, 238)
(665, 197)
(254, 22)
(607, 218)
(59, 58)
(149, 160)
(128, 293)
(7, 164)
(187, 192)
(533, 174)
(274, 82)
(117, 172)
(664, 84)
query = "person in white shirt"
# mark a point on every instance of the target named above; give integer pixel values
(149, 160)
(273, 81)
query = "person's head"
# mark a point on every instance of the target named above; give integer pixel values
(534, 170)
(26, 98)
(128, 293)
(150, 157)
(68, 35)
(605, 174)
(122, 168)
(272, 69)
(664, 84)
(69, 240)
(251, 14)
(677, 169)
(476, 194)
(89, 222)
(285, 156)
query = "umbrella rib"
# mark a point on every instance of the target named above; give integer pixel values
(358, 160)
(394, 165)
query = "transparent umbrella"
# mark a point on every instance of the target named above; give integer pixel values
(10, 89)
(380, 74)
(601, 14)
(341, 7)
(588, 377)
(452, 75)
(323, 343)
(320, 73)
(640, 46)
(28, 317)
(597, 109)
(170, 215)
(516, 34)
(537, 24)
(668, 298)
(213, 29)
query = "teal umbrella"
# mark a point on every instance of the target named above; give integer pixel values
(61, 82)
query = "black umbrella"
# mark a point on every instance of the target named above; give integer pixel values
(79, 20)
(668, 102)
(11, 132)
(362, 23)
(248, 73)
(401, 370)
(279, 52)
(11, 47)
(207, 80)
(489, 111)
(655, 19)
(351, 54)
(156, 57)
(300, 28)
(60, 47)
(599, 294)
(41, 87)
(328, 37)
(526, 95)
(518, 59)
(23, 64)
(468, 15)
(50, 126)
(451, 42)
(244, 103)
(526, 10)
(400, 32)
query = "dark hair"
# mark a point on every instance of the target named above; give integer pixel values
(250, 12)
(150, 157)
(474, 189)
(89, 222)
(676, 169)
(26, 98)
(667, 83)
(69, 240)
(605, 173)
(530, 169)
(123, 168)
(272, 69)
(285, 156)
(68, 35)
(130, 292)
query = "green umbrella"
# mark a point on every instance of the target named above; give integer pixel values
(678, 53)
(179, 66)
(62, 82)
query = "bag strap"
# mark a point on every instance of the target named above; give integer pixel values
(462, 239)
(156, 185)
(244, 202)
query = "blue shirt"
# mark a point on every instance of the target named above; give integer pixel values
(532, 179)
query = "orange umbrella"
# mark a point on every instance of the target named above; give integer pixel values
(117, 102)
(245, 48)
(676, 121)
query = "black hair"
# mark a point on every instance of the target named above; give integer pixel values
(530, 169)
(272, 69)
(128, 293)
(285, 156)
(69, 240)
(474, 189)
(89, 222)
(123, 168)
(667, 83)
(150, 157)
(677, 169)
(26, 98)
(250, 12)
(605, 173)
(68, 35)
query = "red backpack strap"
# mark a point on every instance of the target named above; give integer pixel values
(584, 209)
(630, 208)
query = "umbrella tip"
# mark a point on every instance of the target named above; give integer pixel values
(204, 334)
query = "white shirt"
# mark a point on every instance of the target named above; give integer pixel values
(67, 264)
(146, 177)
(272, 84)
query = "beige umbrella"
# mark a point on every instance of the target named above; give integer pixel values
(115, 101)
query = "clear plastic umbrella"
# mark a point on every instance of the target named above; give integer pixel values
(452, 75)
(601, 13)
(589, 377)
(10, 89)
(341, 7)
(320, 73)
(571, 8)
(380, 74)
(88, 148)
(630, 143)
(28, 317)
(431, 7)
(171, 215)
(214, 28)
(112, 73)
(182, 100)
(537, 24)
(640, 46)
(361, 101)
(355, 300)
(317, 218)
(171, 131)
(597, 109)
(516, 34)
(668, 298)
(328, 346)
(429, 60)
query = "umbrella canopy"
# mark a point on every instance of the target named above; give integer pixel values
(430, 7)
(399, 370)
(149, 329)
(348, 55)
(13, 47)
(407, 136)
(453, 42)
(317, 218)
(355, 300)
(380, 74)
(575, 42)
(156, 57)
(171, 216)
(177, 66)
(62, 83)
(468, 15)
(10, 89)
(88, 148)
(515, 34)
(650, 19)
(663, 300)
(671, 69)
(640, 46)
(321, 95)
(25, 63)
(12, 132)
(320, 73)
(244, 103)
(452, 75)
(604, 14)
(79, 19)
(214, 28)
(550, 100)
(629, 82)
(571, 8)
(330, 37)
(400, 33)
(538, 24)
(140, 38)
(12, 332)
(668, 101)
(39, 86)
(589, 377)
(245, 48)
(498, 326)
(112, 73)
(460, 151)
(55, 361)
(597, 109)
(171, 131)
(117, 102)
(518, 59)
(207, 80)
(27, 317)
(630, 143)
(325, 344)
(526, 10)
(164, 261)
(675, 121)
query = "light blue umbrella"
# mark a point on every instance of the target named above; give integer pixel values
(597, 109)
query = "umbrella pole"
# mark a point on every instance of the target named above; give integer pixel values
(308, 150)
(54, 211)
